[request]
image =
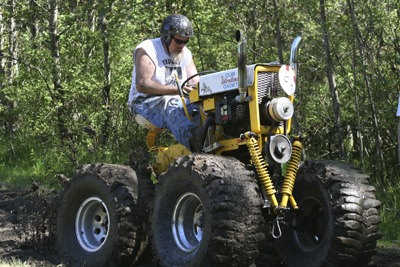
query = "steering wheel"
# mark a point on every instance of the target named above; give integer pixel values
(197, 74)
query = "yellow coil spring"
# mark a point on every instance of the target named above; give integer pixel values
(291, 172)
(262, 171)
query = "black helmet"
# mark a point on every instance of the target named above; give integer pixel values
(176, 24)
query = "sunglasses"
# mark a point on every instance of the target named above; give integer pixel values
(181, 42)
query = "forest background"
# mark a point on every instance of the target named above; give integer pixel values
(65, 72)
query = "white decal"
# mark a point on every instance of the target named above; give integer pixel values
(287, 79)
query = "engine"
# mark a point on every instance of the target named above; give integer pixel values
(232, 116)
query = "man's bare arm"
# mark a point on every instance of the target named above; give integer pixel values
(191, 70)
(145, 70)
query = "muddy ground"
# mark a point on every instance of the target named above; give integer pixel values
(27, 230)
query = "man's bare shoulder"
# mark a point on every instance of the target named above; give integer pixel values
(140, 52)
(142, 58)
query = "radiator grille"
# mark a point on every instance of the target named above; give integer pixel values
(268, 85)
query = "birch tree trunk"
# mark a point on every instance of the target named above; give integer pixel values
(54, 44)
(10, 71)
(2, 68)
(107, 74)
(91, 15)
(359, 132)
(331, 80)
(34, 24)
(278, 33)
(2, 58)
(58, 96)
(360, 45)
(12, 45)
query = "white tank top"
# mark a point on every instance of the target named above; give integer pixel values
(165, 70)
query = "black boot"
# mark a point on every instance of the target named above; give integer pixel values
(196, 139)
(198, 135)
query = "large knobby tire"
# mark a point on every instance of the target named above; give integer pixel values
(103, 216)
(337, 222)
(207, 212)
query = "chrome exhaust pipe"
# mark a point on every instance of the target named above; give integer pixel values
(294, 50)
(242, 75)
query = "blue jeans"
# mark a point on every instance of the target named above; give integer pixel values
(167, 112)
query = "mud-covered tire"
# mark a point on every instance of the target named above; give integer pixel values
(207, 212)
(103, 217)
(337, 221)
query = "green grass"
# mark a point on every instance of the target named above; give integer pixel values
(20, 175)
(24, 173)
(390, 213)
(43, 164)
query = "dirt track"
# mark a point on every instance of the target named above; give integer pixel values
(27, 230)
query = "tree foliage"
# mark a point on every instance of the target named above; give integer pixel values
(65, 69)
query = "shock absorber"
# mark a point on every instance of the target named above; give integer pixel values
(290, 177)
(261, 168)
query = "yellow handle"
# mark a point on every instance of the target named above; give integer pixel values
(180, 91)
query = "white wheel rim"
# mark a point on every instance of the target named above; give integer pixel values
(187, 222)
(92, 224)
